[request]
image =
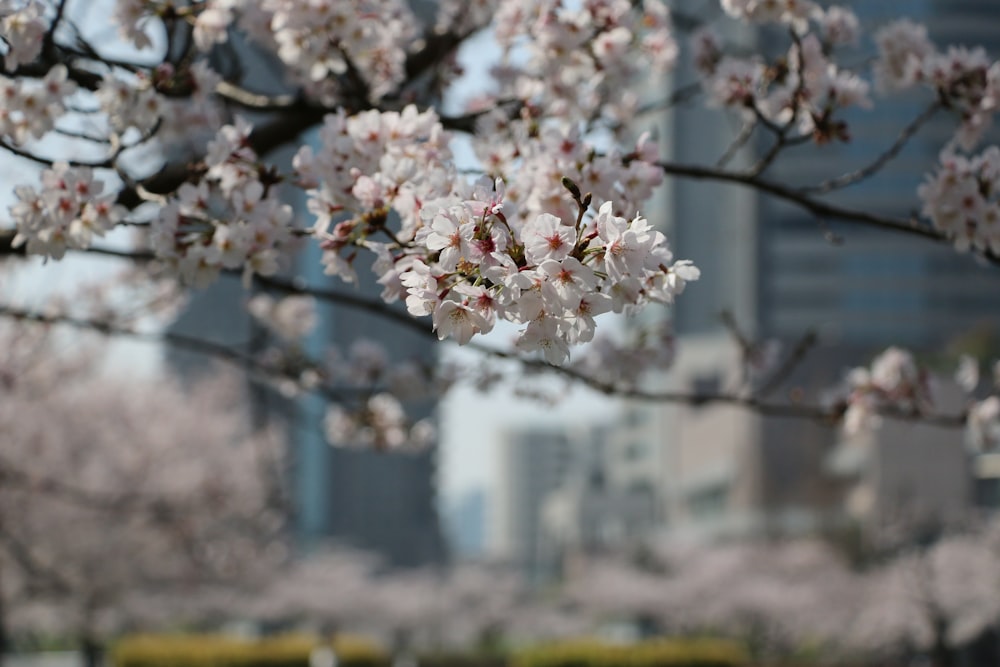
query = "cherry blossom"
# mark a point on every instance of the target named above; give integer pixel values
(529, 203)
(961, 199)
(894, 382)
(22, 28)
(292, 317)
(67, 213)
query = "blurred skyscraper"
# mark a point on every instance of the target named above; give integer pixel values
(775, 269)
(533, 461)
(382, 501)
(560, 492)
(465, 518)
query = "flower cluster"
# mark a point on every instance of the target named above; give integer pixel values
(578, 56)
(804, 88)
(464, 16)
(966, 80)
(292, 317)
(378, 419)
(893, 383)
(368, 164)
(617, 363)
(962, 199)
(896, 385)
(795, 13)
(31, 109)
(318, 40)
(902, 47)
(191, 120)
(468, 255)
(67, 212)
(545, 158)
(970, 83)
(380, 423)
(548, 274)
(22, 29)
(231, 218)
(132, 18)
(128, 104)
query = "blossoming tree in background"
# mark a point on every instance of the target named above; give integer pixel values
(153, 143)
(785, 598)
(128, 521)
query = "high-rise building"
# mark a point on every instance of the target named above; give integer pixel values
(560, 492)
(782, 272)
(533, 462)
(380, 501)
(465, 519)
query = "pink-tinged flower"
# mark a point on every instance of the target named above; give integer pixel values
(902, 46)
(546, 237)
(570, 279)
(336, 265)
(895, 371)
(665, 285)
(459, 321)
(230, 143)
(734, 83)
(482, 299)
(506, 273)
(451, 237)
(839, 25)
(421, 288)
(583, 325)
(624, 293)
(487, 198)
(24, 32)
(211, 26)
(627, 246)
(542, 334)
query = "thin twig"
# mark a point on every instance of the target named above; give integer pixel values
(792, 361)
(910, 226)
(876, 165)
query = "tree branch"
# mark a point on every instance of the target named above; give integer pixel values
(198, 345)
(890, 153)
(819, 208)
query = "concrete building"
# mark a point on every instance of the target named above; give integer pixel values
(781, 272)
(465, 518)
(532, 463)
(559, 493)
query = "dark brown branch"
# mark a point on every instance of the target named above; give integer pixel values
(49, 40)
(830, 415)
(819, 208)
(198, 345)
(105, 163)
(737, 143)
(436, 49)
(792, 361)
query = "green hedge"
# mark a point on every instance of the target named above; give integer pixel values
(656, 653)
(467, 659)
(218, 651)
